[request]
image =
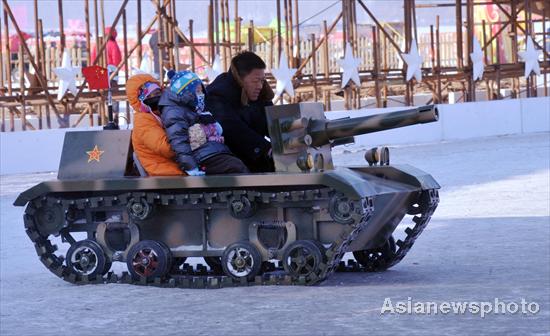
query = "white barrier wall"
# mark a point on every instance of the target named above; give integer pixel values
(32, 151)
(462, 121)
(40, 151)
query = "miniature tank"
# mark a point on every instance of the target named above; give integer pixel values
(292, 226)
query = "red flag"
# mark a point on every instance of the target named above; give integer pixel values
(97, 77)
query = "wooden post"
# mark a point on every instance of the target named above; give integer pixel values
(297, 35)
(21, 62)
(251, 36)
(139, 50)
(385, 68)
(488, 83)
(3, 93)
(61, 28)
(7, 53)
(102, 13)
(514, 33)
(279, 37)
(545, 16)
(355, 46)
(102, 115)
(326, 61)
(497, 78)
(290, 29)
(531, 80)
(287, 44)
(413, 17)
(314, 69)
(470, 29)
(408, 37)
(432, 52)
(96, 30)
(459, 52)
(237, 27)
(211, 50)
(43, 67)
(39, 116)
(438, 45)
(376, 69)
(91, 113)
(271, 49)
(192, 51)
(161, 46)
(344, 24)
(87, 19)
(348, 92)
(224, 40)
(175, 40)
(355, 34)
(36, 42)
(229, 53)
(216, 26)
(126, 69)
(169, 42)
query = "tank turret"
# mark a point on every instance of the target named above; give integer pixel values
(302, 137)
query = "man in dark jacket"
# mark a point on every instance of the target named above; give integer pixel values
(237, 99)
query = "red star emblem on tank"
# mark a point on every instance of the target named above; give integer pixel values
(94, 154)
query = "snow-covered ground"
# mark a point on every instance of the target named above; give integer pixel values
(489, 239)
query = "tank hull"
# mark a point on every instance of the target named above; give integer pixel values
(192, 215)
(305, 216)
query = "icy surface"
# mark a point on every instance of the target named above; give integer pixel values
(489, 238)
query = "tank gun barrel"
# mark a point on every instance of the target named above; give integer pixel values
(324, 132)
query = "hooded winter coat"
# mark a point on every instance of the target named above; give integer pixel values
(178, 116)
(148, 136)
(244, 123)
(114, 55)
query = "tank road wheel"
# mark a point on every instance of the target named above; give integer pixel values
(86, 257)
(302, 258)
(215, 263)
(242, 207)
(139, 209)
(341, 209)
(241, 260)
(376, 259)
(148, 259)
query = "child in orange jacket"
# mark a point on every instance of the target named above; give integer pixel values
(148, 136)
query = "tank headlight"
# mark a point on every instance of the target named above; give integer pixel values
(371, 156)
(305, 161)
(378, 156)
(309, 161)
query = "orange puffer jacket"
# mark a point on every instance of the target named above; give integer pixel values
(148, 137)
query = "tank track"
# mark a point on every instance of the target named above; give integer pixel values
(200, 277)
(428, 201)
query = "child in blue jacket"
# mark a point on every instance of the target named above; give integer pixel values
(192, 132)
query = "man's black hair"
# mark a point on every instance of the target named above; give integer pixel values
(247, 61)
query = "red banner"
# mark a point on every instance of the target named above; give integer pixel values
(97, 77)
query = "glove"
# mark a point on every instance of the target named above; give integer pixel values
(195, 172)
(206, 118)
(219, 128)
